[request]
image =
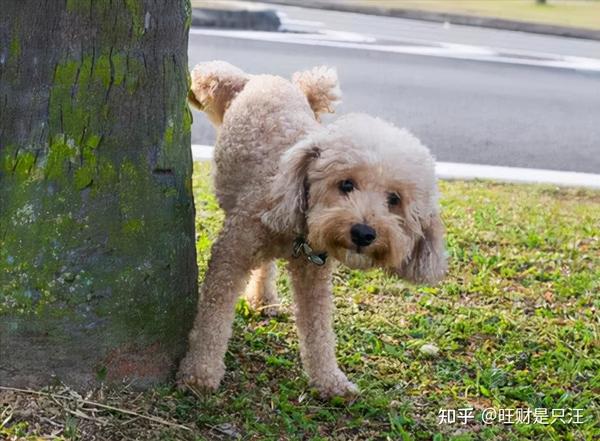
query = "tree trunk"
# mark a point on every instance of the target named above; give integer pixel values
(97, 248)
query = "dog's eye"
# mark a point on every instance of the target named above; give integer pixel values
(393, 199)
(346, 186)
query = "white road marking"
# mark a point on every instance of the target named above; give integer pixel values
(294, 22)
(286, 21)
(202, 152)
(351, 40)
(458, 171)
(454, 171)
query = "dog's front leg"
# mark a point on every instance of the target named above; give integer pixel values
(314, 308)
(231, 260)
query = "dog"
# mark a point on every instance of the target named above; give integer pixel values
(360, 191)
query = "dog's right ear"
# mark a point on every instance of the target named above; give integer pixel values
(214, 85)
(288, 196)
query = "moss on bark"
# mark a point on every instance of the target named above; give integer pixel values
(96, 211)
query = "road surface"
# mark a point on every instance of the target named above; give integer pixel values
(473, 95)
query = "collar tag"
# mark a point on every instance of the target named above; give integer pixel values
(302, 247)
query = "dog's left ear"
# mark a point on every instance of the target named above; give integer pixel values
(427, 263)
(288, 197)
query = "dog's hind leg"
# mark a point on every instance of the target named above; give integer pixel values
(314, 308)
(261, 292)
(231, 260)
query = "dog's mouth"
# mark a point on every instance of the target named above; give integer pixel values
(353, 256)
(357, 259)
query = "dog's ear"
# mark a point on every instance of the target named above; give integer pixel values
(288, 196)
(214, 85)
(427, 262)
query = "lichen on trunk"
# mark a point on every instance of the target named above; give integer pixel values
(97, 256)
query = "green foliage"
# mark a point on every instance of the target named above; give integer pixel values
(573, 13)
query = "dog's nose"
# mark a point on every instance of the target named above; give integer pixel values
(362, 234)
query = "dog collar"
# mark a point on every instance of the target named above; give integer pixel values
(302, 247)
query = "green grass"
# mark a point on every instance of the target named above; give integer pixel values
(575, 13)
(516, 322)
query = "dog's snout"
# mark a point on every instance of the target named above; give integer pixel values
(362, 234)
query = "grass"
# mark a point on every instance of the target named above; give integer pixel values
(516, 323)
(575, 13)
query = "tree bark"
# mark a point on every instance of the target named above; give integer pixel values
(97, 249)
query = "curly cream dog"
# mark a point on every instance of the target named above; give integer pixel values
(359, 190)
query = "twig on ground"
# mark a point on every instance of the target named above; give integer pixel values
(103, 406)
(94, 418)
(7, 419)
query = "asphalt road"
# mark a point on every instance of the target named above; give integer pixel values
(490, 111)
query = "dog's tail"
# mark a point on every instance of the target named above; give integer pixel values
(321, 87)
(214, 85)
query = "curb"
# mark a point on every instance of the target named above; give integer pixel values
(442, 17)
(452, 171)
(236, 18)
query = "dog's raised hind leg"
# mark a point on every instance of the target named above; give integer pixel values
(261, 291)
(314, 309)
(231, 260)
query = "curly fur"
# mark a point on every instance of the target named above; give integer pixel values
(321, 87)
(278, 174)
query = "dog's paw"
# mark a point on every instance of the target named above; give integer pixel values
(197, 384)
(199, 376)
(335, 385)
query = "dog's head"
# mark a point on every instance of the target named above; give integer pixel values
(365, 192)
